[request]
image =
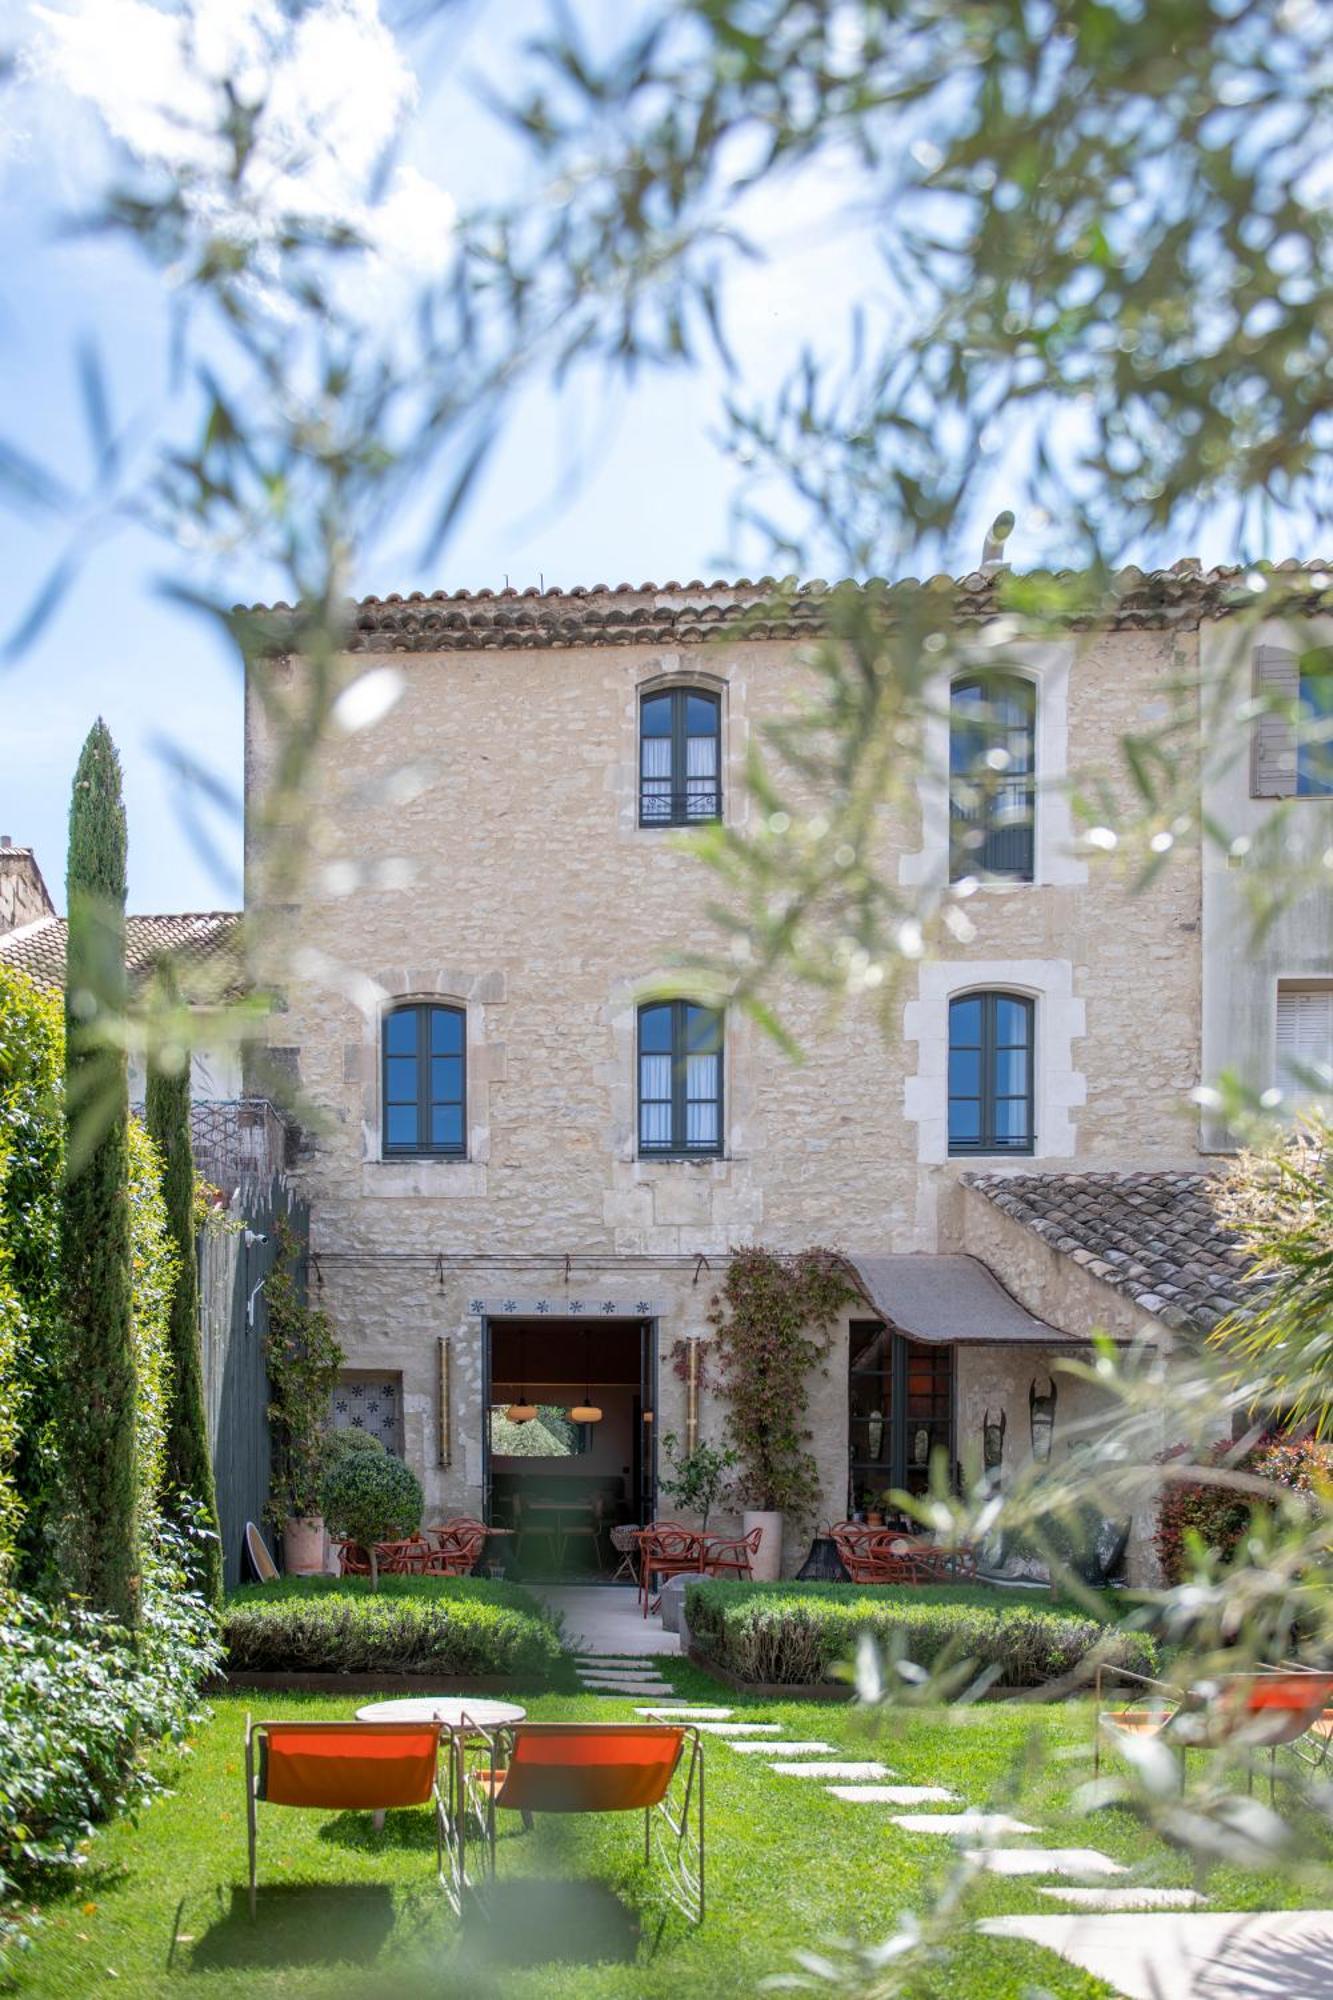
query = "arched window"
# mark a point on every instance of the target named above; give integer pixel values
(680, 1078)
(425, 1084)
(990, 1073)
(680, 757)
(992, 776)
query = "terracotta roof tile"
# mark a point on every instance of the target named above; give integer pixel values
(1154, 1237)
(203, 944)
(763, 608)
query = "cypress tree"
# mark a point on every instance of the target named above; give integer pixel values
(96, 1429)
(189, 1467)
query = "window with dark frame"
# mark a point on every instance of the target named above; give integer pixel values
(900, 1411)
(990, 1073)
(680, 757)
(680, 1079)
(992, 777)
(424, 1081)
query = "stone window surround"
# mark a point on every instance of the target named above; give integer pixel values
(623, 1080)
(658, 676)
(476, 993)
(1061, 1019)
(1048, 666)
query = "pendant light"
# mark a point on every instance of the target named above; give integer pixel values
(587, 1411)
(522, 1412)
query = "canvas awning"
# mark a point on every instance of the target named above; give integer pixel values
(953, 1299)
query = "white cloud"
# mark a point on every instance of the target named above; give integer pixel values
(328, 89)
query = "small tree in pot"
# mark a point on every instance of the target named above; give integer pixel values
(772, 1319)
(303, 1359)
(371, 1497)
(697, 1477)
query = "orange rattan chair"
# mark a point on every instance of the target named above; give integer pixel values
(341, 1767)
(585, 1767)
(455, 1552)
(731, 1558)
(880, 1555)
(666, 1549)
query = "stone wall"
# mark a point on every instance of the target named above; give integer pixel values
(481, 845)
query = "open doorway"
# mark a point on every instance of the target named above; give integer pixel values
(560, 1481)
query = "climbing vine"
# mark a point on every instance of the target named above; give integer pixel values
(773, 1317)
(304, 1360)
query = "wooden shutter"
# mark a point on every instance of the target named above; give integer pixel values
(1304, 1036)
(1277, 678)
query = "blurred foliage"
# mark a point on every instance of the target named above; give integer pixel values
(1097, 290)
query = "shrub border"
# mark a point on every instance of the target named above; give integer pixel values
(771, 1690)
(418, 1684)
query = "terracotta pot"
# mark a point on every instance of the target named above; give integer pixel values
(874, 1520)
(303, 1545)
(766, 1564)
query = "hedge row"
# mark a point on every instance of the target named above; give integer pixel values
(797, 1634)
(455, 1627)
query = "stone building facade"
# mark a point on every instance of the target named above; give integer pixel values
(482, 849)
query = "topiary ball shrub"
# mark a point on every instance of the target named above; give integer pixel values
(341, 1444)
(1220, 1517)
(371, 1497)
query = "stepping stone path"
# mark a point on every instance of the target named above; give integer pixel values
(620, 1673)
(784, 1749)
(744, 1729)
(980, 1825)
(1127, 1899)
(1044, 1861)
(678, 1714)
(825, 1770)
(893, 1795)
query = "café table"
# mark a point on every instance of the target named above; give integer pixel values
(450, 1709)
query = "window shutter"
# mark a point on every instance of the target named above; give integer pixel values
(1304, 1037)
(1277, 678)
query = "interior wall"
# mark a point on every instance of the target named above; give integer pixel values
(609, 1453)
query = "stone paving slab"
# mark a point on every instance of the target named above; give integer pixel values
(745, 1729)
(606, 1619)
(1194, 1954)
(1044, 1861)
(983, 1825)
(784, 1749)
(636, 1683)
(826, 1770)
(1127, 1899)
(893, 1795)
(685, 1714)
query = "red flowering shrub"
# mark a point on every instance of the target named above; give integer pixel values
(1220, 1516)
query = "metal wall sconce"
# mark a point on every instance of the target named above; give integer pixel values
(1041, 1419)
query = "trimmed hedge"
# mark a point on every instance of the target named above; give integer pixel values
(459, 1627)
(795, 1635)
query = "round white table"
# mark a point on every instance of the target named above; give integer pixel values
(447, 1708)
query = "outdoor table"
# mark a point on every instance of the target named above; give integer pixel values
(446, 1708)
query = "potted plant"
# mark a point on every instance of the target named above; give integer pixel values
(772, 1318)
(696, 1478)
(371, 1497)
(304, 1360)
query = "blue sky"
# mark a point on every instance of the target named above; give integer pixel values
(650, 499)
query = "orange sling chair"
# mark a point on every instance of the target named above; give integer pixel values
(342, 1767)
(1262, 1710)
(577, 1767)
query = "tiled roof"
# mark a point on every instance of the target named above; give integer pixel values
(202, 943)
(1155, 1237)
(764, 608)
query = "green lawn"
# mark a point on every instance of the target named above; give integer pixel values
(161, 1907)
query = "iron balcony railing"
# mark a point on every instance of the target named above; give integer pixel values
(659, 805)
